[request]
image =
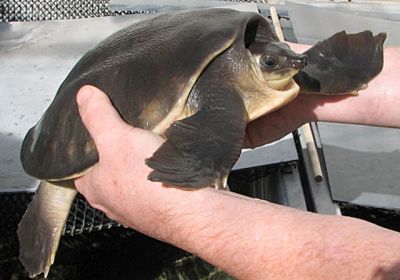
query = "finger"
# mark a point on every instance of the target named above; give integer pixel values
(98, 115)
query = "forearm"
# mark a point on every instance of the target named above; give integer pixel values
(253, 239)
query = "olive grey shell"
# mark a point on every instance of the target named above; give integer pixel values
(146, 66)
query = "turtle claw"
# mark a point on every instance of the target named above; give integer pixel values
(222, 184)
(40, 229)
(224, 188)
(356, 92)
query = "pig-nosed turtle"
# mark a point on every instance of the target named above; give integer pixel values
(194, 77)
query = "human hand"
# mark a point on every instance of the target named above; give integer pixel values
(204, 221)
(121, 148)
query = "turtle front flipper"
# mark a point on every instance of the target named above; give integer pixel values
(343, 63)
(40, 229)
(201, 149)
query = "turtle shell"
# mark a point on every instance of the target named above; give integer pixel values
(147, 69)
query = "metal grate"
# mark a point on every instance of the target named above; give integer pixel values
(29, 10)
(387, 218)
(33, 10)
(84, 218)
(87, 252)
(36, 10)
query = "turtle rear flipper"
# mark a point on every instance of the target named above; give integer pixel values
(40, 229)
(343, 63)
(201, 149)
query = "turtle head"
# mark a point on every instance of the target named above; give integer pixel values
(279, 64)
(274, 65)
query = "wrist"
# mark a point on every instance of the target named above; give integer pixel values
(161, 211)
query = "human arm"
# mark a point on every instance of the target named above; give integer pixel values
(377, 105)
(248, 238)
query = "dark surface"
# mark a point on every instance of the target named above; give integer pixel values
(387, 218)
(119, 253)
(116, 253)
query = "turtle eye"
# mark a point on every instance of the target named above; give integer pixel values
(269, 61)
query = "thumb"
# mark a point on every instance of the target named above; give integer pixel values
(98, 115)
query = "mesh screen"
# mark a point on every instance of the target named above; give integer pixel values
(82, 217)
(87, 252)
(14, 10)
(32, 10)
(29, 10)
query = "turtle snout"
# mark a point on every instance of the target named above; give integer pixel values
(299, 62)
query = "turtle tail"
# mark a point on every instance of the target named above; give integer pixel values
(40, 229)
